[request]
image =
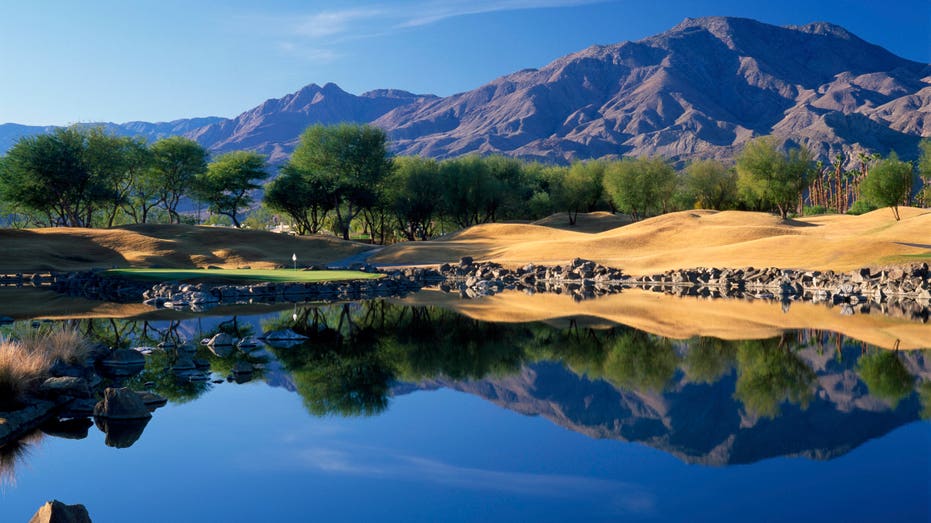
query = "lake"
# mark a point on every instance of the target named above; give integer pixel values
(501, 410)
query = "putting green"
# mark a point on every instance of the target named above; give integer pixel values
(240, 275)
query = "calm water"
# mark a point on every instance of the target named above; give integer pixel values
(392, 413)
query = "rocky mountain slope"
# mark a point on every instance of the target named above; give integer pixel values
(701, 89)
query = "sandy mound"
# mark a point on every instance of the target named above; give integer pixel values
(693, 239)
(179, 246)
(590, 222)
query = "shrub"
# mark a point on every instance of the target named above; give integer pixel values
(814, 210)
(861, 207)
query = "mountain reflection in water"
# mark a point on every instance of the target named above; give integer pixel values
(807, 393)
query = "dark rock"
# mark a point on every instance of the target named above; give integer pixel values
(122, 363)
(65, 386)
(121, 404)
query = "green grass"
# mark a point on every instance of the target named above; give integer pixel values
(240, 275)
(907, 258)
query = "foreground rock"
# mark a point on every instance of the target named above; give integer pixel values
(57, 512)
(121, 404)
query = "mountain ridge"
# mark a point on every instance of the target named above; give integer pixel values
(698, 90)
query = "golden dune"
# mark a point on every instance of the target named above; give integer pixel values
(176, 246)
(697, 238)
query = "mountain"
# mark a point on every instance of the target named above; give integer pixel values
(274, 127)
(10, 133)
(701, 89)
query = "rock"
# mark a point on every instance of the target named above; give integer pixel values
(466, 261)
(122, 363)
(6, 320)
(221, 340)
(65, 386)
(57, 512)
(152, 400)
(121, 404)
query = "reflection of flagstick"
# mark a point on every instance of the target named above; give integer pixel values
(294, 259)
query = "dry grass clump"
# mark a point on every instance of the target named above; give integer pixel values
(63, 344)
(27, 356)
(20, 369)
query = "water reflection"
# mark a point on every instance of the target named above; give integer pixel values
(704, 400)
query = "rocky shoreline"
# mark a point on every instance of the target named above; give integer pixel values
(900, 290)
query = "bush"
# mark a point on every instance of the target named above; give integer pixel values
(861, 207)
(815, 210)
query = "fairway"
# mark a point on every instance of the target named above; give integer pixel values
(240, 275)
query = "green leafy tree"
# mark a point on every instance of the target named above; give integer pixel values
(61, 176)
(888, 183)
(771, 177)
(641, 187)
(348, 162)
(176, 162)
(582, 188)
(885, 375)
(415, 195)
(226, 183)
(711, 185)
(924, 170)
(469, 191)
(303, 197)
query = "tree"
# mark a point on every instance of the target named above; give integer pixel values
(348, 161)
(581, 188)
(415, 195)
(176, 162)
(924, 170)
(303, 198)
(59, 176)
(121, 161)
(888, 183)
(226, 183)
(771, 177)
(711, 185)
(641, 187)
(470, 192)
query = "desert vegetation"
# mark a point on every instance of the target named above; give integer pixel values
(342, 180)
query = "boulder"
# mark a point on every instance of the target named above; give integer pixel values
(121, 404)
(123, 362)
(65, 386)
(57, 512)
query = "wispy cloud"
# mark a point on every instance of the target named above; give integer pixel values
(314, 35)
(379, 463)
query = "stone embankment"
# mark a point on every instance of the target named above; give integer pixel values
(582, 279)
(902, 291)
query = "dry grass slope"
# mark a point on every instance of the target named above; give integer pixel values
(692, 239)
(176, 246)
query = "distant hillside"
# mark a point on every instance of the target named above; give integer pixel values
(701, 89)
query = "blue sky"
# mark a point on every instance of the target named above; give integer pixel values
(63, 61)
